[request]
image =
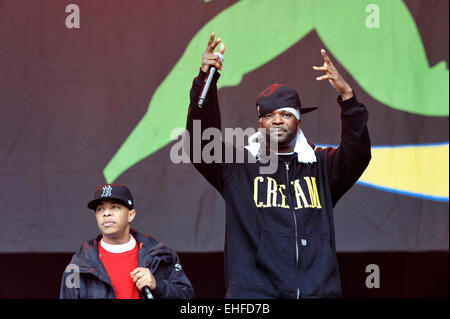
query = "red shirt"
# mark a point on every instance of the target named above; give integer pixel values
(118, 266)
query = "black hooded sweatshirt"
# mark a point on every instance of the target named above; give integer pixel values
(279, 233)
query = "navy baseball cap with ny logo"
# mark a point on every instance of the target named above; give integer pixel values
(112, 192)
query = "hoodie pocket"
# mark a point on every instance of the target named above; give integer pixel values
(275, 262)
(319, 267)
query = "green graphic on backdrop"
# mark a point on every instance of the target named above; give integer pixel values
(388, 62)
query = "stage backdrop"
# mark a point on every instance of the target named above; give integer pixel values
(91, 90)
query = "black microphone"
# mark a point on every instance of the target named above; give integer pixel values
(148, 293)
(207, 82)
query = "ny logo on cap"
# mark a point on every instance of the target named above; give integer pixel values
(106, 191)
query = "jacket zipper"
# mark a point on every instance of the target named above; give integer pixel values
(295, 223)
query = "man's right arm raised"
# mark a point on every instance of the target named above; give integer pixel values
(199, 120)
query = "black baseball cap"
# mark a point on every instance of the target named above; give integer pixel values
(112, 191)
(278, 96)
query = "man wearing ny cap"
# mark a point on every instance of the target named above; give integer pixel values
(122, 263)
(279, 232)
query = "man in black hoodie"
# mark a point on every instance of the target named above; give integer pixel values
(279, 236)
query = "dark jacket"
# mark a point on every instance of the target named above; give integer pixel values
(279, 236)
(163, 262)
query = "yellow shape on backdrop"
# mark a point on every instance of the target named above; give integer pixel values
(416, 169)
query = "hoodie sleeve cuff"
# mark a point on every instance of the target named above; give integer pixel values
(161, 287)
(200, 78)
(348, 102)
(198, 81)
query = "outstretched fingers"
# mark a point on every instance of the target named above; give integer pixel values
(222, 48)
(209, 58)
(327, 67)
(213, 44)
(325, 57)
(321, 68)
(323, 77)
(211, 40)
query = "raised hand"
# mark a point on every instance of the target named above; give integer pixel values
(209, 58)
(333, 76)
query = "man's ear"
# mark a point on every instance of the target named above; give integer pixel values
(298, 125)
(131, 215)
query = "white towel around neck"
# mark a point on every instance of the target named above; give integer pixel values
(302, 148)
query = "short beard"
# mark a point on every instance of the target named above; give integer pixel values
(288, 141)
